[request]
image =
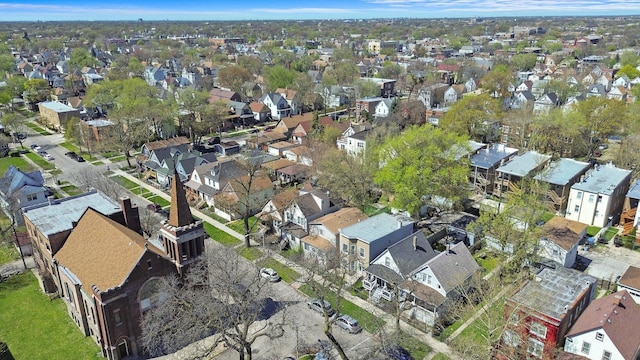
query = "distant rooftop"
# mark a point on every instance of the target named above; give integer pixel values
(375, 227)
(60, 214)
(560, 172)
(603, 179)
(634, 191)
(57, 106)
(552, 290)
(491, 156)
(522, 165)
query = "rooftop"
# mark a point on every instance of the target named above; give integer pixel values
(491, 156)
(553, 291)
(522, 165)
(375, 227)
(603, 179)
(57, 106)
(560, 172)
(60, 214)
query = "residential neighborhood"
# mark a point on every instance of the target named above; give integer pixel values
(333, 189)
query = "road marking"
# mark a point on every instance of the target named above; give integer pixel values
(358, 344)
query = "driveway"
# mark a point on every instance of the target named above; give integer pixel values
(606, 261)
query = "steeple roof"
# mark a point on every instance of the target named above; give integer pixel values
(180, 213)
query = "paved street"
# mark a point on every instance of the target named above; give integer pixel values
(606, 261)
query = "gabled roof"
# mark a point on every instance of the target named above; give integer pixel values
(308, 204)
(159, 144)
(282, 199)
(452, 267)
(563, 232)
(618, 316)
(15, 180)
(102, 252)
(631, 278)
(409, 257)
(341, 218)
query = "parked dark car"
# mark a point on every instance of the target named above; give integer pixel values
(19, 136)
(214, 140)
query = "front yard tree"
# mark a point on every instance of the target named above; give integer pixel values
(423, 164)
(472, 116)
(220, 294)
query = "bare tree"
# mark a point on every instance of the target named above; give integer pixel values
(222, 295)
(90, 178)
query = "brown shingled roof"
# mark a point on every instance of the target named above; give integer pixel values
(102, 252)
(618, 316)
(631, 278)
(317, 242)
(160, 144)
(564, 232)
(180, 212)
(341, 219)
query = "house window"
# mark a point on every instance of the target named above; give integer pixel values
(576, 208)
(345, 248)
(535, 348)
(591, 198)
(387, 261)
(599, 336)
(599, 198)
(353, 250)
(305, 246)
(606, 355)
(361, 250)
(585, 347)
(510, 338)
(597, 213)
(32, 197)
(579, 195)
(429, 279)
(116, 317)
(555, 252)
(149, 265)
(538, 329)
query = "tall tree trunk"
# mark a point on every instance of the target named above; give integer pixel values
(336, 344)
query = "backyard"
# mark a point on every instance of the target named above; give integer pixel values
(27, 335)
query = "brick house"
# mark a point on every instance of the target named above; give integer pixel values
(56, 114)
(541, 311)
(108, 272)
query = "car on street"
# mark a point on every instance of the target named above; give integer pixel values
(349, 324)
(269, 274)
(321, 306)
(74, 156)
(19, 136)
(36, 147)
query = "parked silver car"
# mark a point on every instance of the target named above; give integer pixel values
(348, 323)
(321, 306)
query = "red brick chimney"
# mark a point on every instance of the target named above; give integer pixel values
(131, 214)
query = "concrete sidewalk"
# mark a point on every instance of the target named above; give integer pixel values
(436, 346)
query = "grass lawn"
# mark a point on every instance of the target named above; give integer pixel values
(238, 226)
(487, 261)
(39, 328)
(72, 190)
(440, 356)
(610, 233)
(476, 332)
(38, 160)
(69, 146)
(18, 162)
(592, 230)
(416, 348)
(220, 236)
(118, 158)
(371, 210)
(159, 200)
(367, 320)
(128, 184)
(8, 253)
(251, 253)
(287, 274)
(97, 163)
(37, 128)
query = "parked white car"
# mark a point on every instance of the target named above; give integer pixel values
(269, 274)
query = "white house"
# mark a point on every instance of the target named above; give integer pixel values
(277, 104)
(598, 199)
(560, 240)
(383, 109)
(630, 281)
(607, 329)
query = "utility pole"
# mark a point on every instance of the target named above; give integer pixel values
(15, 236)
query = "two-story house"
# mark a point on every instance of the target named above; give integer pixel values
(302, 211)
(542, 310)
(598, 199)
(560, 176)
(19, 190)
(293, 99)
(362, 242)
(207, 180)
(278, 105)
(243, 195)
(484, 164)
(324, 232)
(383, 108)
(605, 328)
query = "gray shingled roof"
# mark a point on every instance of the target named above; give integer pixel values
(406, 257)
(454, 266)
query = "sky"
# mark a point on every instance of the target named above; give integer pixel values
(62, 10)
